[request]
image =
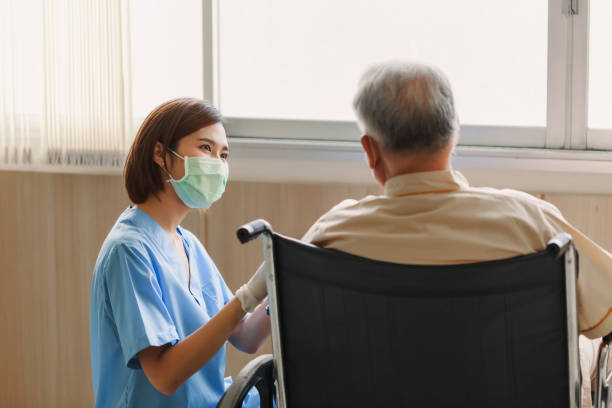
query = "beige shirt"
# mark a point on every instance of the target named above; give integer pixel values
(438, 218)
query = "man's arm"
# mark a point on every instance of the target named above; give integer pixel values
(594, 287)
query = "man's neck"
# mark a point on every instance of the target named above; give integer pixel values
(418, 163)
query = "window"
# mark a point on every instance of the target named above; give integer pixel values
(301, 60)
(80, 76)
(288, 69)
(600, 75)
(166, 52)
(21, 79)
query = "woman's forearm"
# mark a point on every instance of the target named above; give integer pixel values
(168, 367)
(252, 332)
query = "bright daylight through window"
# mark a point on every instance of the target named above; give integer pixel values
(301, 60)
(166, 52)
(600, 65)
(79, 76)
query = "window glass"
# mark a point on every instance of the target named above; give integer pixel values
(293, 59)
(21, 49)
(166, 52)
(600, 65)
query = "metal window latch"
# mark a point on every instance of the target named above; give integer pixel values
(571, 7)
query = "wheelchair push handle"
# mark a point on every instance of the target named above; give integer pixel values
(559, 244)
(252, 230)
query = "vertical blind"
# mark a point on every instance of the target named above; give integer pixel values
(65, 86)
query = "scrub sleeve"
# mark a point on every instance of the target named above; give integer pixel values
(140, 314)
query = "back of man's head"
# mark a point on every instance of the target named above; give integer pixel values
(407, 107)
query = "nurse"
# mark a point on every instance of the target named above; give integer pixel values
(160, 310)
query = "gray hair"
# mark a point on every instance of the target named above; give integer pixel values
(407, 107)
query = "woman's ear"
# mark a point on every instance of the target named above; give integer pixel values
(158, 155)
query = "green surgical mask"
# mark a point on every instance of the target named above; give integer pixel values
(203, 183)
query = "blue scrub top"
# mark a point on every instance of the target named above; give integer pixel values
(140, 297)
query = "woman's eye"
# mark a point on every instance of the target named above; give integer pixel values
(206, 147)
(224, 156)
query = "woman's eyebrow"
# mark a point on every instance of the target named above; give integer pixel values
(224, 148)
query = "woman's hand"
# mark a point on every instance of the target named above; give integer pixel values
(253, 292)
(167, 367)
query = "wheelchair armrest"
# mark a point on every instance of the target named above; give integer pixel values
(559, 244)
(252, 230)
(259, 373)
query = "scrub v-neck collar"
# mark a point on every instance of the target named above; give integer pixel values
(160, 236)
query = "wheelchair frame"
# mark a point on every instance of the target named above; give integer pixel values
(560, 245)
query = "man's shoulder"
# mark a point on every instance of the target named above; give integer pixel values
(345, 204)
(514, 198)
(350, 205)
(519, 206)
(344, 210)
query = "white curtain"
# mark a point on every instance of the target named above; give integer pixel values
(65, 82)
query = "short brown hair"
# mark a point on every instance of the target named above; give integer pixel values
(166, 124)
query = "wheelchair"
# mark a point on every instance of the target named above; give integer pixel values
(354, 332)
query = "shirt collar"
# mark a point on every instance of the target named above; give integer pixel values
(144, 221)
(444, 181)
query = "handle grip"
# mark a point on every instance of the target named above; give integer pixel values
(559, 244)
(252, 230)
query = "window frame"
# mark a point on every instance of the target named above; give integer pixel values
(567, 75)
(565, 156)
(561, 157)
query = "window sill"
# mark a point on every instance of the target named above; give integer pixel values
(527, 169)
(307, 161)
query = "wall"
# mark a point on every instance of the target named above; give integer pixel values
(51, 228)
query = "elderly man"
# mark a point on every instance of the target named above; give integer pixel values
(429, 214)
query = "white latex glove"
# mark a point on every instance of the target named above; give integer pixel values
(254, 291)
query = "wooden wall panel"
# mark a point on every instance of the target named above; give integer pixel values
(27, 293)
(51, 229)
(85, 208)
(592, 214)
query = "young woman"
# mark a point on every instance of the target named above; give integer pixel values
(160, 310)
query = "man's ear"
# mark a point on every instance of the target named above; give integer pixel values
(372, 151)
(457, 134)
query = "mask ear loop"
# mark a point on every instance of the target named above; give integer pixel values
(176, 154)
(168, 173)
(166, 170)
